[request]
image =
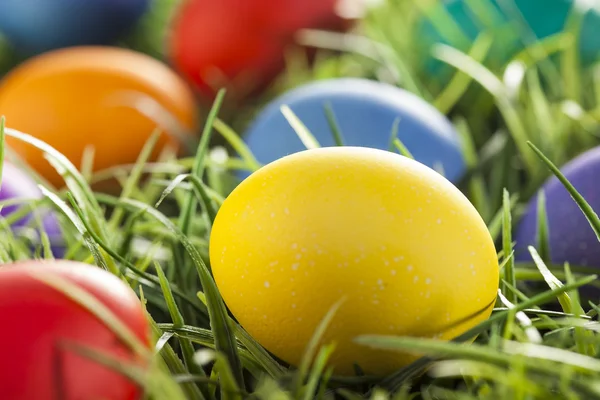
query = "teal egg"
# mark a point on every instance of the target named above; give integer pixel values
(515, 24)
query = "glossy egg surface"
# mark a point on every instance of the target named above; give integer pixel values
(49, 321)
(240, 44)
(96, 96)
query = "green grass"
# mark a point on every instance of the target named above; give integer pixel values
(516, 128)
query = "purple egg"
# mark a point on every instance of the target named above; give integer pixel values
(18, 185)
(571, 238)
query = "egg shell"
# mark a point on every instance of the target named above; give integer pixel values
(85, 96)
(544, 18)
(48, 321)
(36, 26)
(365, 112)
(18, 185)
(571, 238)
(398, 242)
(240, 44)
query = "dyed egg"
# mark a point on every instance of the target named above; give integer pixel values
(398, 242)
(543, 18)
(36, 26)
(241, 43)
(365, 111)
(49, 321)
(104, 97)
(17, 185)
(571, 238)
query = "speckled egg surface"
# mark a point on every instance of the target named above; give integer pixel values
(365, 112)
(402, 245)
(571, 238)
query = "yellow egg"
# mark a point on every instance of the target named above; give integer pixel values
(402, 245)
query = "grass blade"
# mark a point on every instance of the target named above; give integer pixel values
(509, 272)
(396, 380)
(220, 324)
(543, 236)
(187, 348)
(333, 125)
(197, 170)
(311, 347)
(201, 191)
(307, 138)
(587, 210)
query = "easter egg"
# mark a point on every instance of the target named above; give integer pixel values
(37, 361)
(17, 185)
(396, 242)
(36, 26)
(103, 97)
(240, 44)
(515, 25)
(365, 112)
(571, 238)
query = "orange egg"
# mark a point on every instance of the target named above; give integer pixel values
(91, 96)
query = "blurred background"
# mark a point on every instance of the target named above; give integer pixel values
(503, 72)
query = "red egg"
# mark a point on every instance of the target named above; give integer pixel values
(239, 44)
(38, 320)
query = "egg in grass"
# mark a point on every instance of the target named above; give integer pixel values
(104, 98)
(398, 242)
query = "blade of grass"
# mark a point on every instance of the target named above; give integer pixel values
(583, 337)
(189, 207)
(200, 189)
(94, 250)
(315, 375)
(74, 180)
(187, 348)
(237, 143)
(460, 82)
(229, 387)
(134, 177)
(542, 238)
(497, 89)
(587, 210)
(476, 184)
(550, 279)
(333, 125)
(509, 273)
(397, 379)
(301, 130)
(174, 364)
(138, 272)
(312, 346)
(272, 367)
(220, 325)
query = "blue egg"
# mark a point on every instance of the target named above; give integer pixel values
(36, 26)
(514, 28)
(365, 112)
(571, 238)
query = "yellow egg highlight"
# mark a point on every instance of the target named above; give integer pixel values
(402, 244)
